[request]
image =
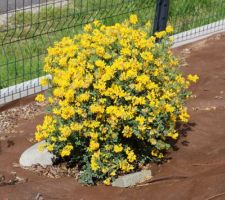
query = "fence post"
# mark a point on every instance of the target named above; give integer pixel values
(161, 15)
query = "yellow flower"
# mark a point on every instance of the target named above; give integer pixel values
(62, 139)
(147, 56)
(38, 136)
(50, 100)
(94, 161)
(94, 165)
(180, 79)
(160, 34)
(44, 81)
(113, 173)
(193, 78)
(69, 95)
(40, 98)
(66, 150)
(127, 132)
(125, 166)
(116, 112)
(96, 23)
(107, 181)
(160, 155)
(63, 61)
(87, 28)
(184, 116)
(154, 152)
(173, 135)
(56, 111)
(65, 131)
(169, 29)
(140, 119)
(100, 63)
(76, 126)
(95, 108)
(153, 141)
(138, 101)
(144, 79)
(94, 145)
(67, 112)
(102, 100)
(83, 97)
(100, 51)
(104, 170)
(131, 157)
(53, 139)
(107, 56)
(94, 135)
(133, 19)
(118, 148)
(169, 108)
(126, 51)
(58, 92)
(50, 147)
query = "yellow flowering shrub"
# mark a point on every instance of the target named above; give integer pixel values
(115, 100)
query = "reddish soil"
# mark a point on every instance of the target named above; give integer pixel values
(196, 169)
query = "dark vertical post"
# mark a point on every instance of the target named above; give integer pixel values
(161, 15)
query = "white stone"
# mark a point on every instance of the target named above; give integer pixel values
(32, 156)
(132, 179)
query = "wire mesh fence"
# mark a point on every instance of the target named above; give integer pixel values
(194, 18)
(29, 27)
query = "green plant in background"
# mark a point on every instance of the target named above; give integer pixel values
(115, 100)
(188, 14)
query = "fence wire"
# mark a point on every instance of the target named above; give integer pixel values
(194, 18)
(29, 27)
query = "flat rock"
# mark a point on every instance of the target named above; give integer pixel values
(32, 156)
(132, 179)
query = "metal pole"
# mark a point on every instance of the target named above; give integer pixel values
(161, 15)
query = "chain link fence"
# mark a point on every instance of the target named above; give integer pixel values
(29, 27)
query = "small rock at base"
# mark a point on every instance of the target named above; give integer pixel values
(33, 157)
(132, 179)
